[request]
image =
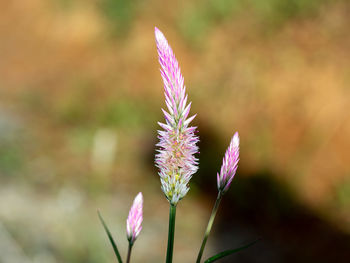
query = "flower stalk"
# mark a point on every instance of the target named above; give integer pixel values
(209, 226)
(171, 234)
(177, 147)
(224, 178)
(129, 252)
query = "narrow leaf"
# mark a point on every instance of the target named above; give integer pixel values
(110, 238)
(229, 252)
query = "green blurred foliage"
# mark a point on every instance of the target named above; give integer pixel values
(343, 193)
(198, 19)
(120, 14)
(126, 113)
(11, 146)
(11, 159)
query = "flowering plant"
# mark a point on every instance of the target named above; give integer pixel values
(176, 160)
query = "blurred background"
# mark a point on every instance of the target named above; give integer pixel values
(80, 96)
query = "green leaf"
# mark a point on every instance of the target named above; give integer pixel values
(229, 252)
(110, 238)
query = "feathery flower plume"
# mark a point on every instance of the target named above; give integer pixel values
(177, 142)
(133, 223)
(229, 165)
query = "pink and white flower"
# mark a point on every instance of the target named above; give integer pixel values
(177, 142)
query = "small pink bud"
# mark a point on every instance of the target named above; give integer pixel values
(133, 223)
(229, 165)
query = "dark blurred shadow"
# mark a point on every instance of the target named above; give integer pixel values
(257, 205)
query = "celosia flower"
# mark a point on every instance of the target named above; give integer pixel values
(177, 142)
(229, 165)
(133, 223)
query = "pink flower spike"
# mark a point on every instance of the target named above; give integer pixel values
(177, 142)
(133, 223)
(229, 165)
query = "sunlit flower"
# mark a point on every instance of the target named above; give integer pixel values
(229, 165)
(177, 141)
(134, 221)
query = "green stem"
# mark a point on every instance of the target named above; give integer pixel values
(171, 233)
(129, 253)
(210, 224)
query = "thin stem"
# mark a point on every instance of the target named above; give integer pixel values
(210, 224)
(129, 253)
(171, 234)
